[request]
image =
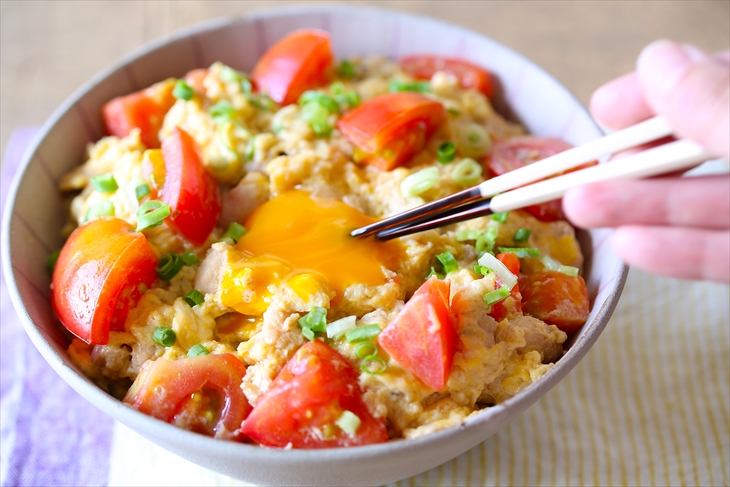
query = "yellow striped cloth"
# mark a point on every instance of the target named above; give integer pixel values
(648, 405)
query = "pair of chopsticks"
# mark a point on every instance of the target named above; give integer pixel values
(476, 201)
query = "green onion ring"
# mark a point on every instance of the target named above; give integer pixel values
(365, 365)
(467, 172)
(168, 266)
(363, 346)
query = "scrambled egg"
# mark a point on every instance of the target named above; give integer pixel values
(252, 313)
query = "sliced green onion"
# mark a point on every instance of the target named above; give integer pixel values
(554, 265)
(338, 328)
(568, 270)
(467, 172)
(365, 349)
(362, 333)
(485, 242)
(197, 350)
(453, 111)
(246, 86)
(433, 272)
(52, 259)
(314, 111)
(448, 261)
(500, 217)
(321, 129)
(420, 181)
(522, 252)
(222, 111)
(483, 270)
(446, 152)
(308, 334)
(346, 69)
(102, 208)
(501, 270)
(348, 422)
(397, 85)
(337, 88)
(189, 258)
(350, 98)
(470, 234)
(151, 214)
(168, 266)
(522, 235)
(317, 96)
(262, 102)
(105, 183)
(183, 91)
(316, 319)
(141, 191)
(353, 98)
(194, 298)
(164, 336)
(473, 140)
(317, 114)
(497, 295)
(235, 231)
(372, 364)
(230, 75)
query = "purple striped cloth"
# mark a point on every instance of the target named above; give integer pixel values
(49, 435)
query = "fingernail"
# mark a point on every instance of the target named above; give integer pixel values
(663, 63)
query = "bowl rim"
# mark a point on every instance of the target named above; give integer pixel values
(127, 415)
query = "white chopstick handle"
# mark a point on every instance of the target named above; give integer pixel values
(663, 159)
(647, 131)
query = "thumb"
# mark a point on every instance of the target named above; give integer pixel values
(691, 90)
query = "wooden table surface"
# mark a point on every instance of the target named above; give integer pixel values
(49, 48)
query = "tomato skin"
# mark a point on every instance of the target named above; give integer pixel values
(189, 189)
(470, 76)
(194, 78)
(164, 389)
(298, 62)
(555, 298)
(98, 275)
(422, 337)
(310, 393)
(510, 306)
(389, 129)
(144, 110)
(516, 152)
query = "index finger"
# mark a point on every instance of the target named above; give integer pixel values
(620, 103)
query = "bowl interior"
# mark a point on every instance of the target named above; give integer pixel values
(35, 215)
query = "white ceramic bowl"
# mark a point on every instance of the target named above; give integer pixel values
(35, 214)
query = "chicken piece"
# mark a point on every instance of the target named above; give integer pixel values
(246, 196)
(478, 358)
(541, 337)
(267, 352)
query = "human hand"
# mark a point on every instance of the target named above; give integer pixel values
(673, 226)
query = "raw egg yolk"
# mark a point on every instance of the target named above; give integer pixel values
(313, 236)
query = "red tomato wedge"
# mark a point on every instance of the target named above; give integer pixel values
(189, 189)
(201, 394)
(99, 276)
(144, 110)
(516, 152)
(298, 62)
(470, 76)
(422, 337)
(389, 129)
(555, 298)
(510, 306)
(304, 402)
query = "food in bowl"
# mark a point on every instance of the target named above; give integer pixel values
(210, 280)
